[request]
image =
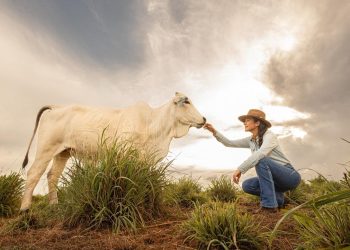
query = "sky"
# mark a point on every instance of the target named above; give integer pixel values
(288, 58)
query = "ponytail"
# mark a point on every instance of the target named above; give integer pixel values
(262, 129)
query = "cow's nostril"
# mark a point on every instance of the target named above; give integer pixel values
(205, 120)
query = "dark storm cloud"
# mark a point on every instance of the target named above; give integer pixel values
(315, 78)
(108, 33)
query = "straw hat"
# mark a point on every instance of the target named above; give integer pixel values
(256, 113)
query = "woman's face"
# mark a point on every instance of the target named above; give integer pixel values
(250, 125)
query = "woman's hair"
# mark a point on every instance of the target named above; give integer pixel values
(262, 129)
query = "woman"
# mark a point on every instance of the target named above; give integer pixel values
(275, 174)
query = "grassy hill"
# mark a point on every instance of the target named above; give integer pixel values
(119, 199)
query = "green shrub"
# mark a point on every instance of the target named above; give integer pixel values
(329, 227)
(221, 189)
(117, 187)
(185, 192)
(219, 225)
(11, 188)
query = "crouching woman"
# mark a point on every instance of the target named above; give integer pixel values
(275, 174)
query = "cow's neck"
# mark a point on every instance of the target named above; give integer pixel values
(164, 127)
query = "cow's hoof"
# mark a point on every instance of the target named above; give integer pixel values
(24, 211)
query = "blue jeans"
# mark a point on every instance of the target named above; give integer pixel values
(273, 180)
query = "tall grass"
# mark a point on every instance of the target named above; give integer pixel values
(330, 225)
(11, 187)
(328, 228)
(118, 187)
(218, 225)
(185, 192)
(221, 189)
(336, 198)
(346, 179)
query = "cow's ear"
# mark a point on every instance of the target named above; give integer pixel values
(179, 94)
(180, 99)
(176, 99)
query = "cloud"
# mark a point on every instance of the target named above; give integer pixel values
(314, 78)
(103, 33)
(115, 53)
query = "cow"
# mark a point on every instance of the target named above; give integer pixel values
(67, 129)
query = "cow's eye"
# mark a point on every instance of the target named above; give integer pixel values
(187, 102)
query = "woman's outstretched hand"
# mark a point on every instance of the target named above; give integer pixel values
(210, 127)
(236, 176)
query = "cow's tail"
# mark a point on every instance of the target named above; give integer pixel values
(41, 111)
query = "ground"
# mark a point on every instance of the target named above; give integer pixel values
(159, 234)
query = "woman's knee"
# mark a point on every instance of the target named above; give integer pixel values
(246, 186)
(297, 179)
(251, 186)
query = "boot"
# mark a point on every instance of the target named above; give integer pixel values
(261, 210)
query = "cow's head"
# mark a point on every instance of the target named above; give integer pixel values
(186, 115)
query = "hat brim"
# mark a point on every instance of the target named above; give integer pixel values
(243, 117)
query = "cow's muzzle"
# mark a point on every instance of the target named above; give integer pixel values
(199, 125)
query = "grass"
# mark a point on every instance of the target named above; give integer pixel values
(185, 192)
(23, 222)
(219, 225)
(121, 189)
(11, 187)
(317, 187)
(335, 198)
(345, 182)
(117, 187)
(221, 189)
(329, 227)
(214, 225)
(39, 216)
(321, 186)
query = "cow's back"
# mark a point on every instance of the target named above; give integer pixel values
(81, 127)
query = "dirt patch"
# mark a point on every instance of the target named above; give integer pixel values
(287, 236)
(163, 233)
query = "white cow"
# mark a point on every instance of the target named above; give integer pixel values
(77, 128)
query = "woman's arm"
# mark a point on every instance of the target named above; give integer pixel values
(240, 143)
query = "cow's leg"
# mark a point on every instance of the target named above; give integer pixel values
(59, 162)
(37, 169)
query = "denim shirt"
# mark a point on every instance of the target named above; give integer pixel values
(270, 148)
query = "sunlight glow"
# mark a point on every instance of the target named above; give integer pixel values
(283, 131)
(298, 132)
(286, 43)
(282, 114)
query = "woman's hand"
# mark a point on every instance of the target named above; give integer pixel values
(236, 175)
(210, 127)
